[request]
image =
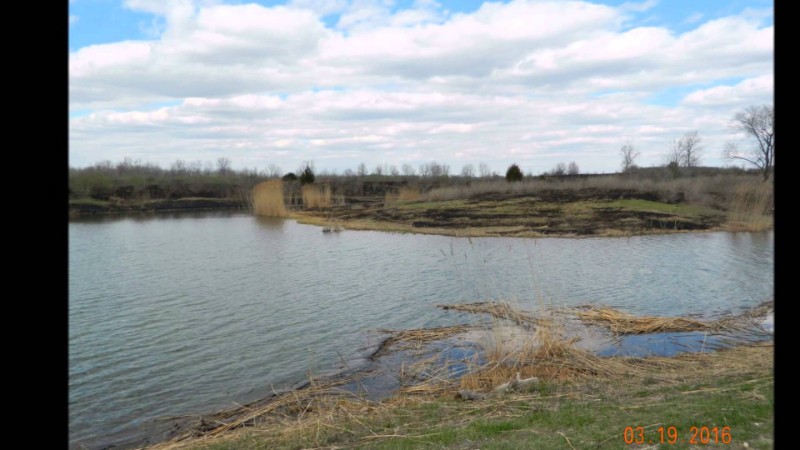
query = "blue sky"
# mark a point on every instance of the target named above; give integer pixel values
(398, 82)
(106, 21)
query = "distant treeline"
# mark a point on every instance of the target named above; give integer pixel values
(132, 180)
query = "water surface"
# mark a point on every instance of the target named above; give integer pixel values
(185, 313)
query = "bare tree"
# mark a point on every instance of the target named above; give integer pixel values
(484, 170)
(757, 122)
(393, 170)
(274, 171)
(424, 170)
(179, 166)
(691, 149)
(573, 168)
(468, 171)
(223, 165)
(674, 155)
(629, 155)
(434, 169)
(361, 170)
(559, 170)
(408, 170)
(378, 170)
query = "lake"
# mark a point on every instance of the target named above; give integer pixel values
(176, 314)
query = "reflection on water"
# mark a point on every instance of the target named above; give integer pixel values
(183, 313)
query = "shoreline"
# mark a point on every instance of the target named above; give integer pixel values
(416, 356)
(553, 215)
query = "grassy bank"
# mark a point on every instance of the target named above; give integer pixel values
(601, 206)
(533, 388)
(731, 388)
(641, 202)
(84, 207)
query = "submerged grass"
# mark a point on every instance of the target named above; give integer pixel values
(405, 339)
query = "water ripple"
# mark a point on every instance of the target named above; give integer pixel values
(183, 315)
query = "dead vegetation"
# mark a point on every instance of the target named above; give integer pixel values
(414, 339)
(499, 310)
(510, 370)
(621, 323)
(267, 199)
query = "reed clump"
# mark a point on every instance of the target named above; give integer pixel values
(267, 199)
(317, 196)
(751, 207)
(404, 194)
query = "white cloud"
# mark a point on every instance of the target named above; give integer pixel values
(752, 90)
(73, 19)
(526, 79)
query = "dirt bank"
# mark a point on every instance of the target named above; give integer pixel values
(586, 212)
(79, 208)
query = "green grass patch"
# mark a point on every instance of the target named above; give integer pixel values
(415, 205)
(593, 415)
(676, 209)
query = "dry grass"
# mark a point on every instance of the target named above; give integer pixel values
(291, 406)
(414, 339)
(404, 194)
(621, 323)
(700, 190)
(499, 310)
(751, 207)
(545, 357)
(267, 199)
(317, 196)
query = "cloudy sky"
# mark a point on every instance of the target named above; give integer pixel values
(340, 82)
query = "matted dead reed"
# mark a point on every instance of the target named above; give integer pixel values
(547, 356)
(621, 323)
(500, 310)
(291, 405)
(267, 199)
(414, 339)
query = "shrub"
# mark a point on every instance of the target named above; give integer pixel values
(514, 173)
(307, 177)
